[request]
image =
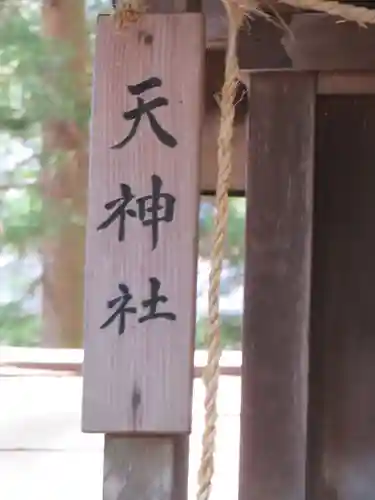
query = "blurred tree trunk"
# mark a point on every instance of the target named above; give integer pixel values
(64, 186)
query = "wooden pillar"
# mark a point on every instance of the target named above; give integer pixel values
(341, 444)
(277, 286)
(341, 421)
(340, 452)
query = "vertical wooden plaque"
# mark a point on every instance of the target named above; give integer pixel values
(142, 225)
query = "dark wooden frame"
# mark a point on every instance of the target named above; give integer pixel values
(307, 343)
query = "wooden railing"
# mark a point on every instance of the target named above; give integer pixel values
(70, 360)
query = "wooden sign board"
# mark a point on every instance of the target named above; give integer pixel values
(142, 225)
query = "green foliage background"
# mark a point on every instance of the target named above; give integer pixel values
(27, 100)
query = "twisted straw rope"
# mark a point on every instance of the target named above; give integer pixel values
(129, 11)
(236, 16)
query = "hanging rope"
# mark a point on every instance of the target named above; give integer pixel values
(224, 158)
(127, 11)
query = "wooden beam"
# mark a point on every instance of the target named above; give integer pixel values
(277, 286)
(312, 42)
(346, 83)
(70, 360)
(260, 45)
(217, 24)
(318, 42)
(328, 83)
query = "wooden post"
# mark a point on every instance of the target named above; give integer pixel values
(277, 286)
(341, 450)
(341, 438)
(138, 367)
(340, 453)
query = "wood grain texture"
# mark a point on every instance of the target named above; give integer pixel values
(214, 80)
(328, 83)
(277, 286)
(312, 42)
(260, 45)
(341, 444)
(319, 42)
(346, 83)
(173, 6)
(138, 468)
(151, 362)
(145, 468)
(208, 181)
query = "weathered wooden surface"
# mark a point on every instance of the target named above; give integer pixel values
(216, 19)
(277, 286)
(213, 82)
(260, 45)
(209, 156)
(216, 23)
(145, 469)
(319, 42)
(139, 380)
(328, 83)
(341, 447)
(346, 83)
(312, 41)
(125, 469)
